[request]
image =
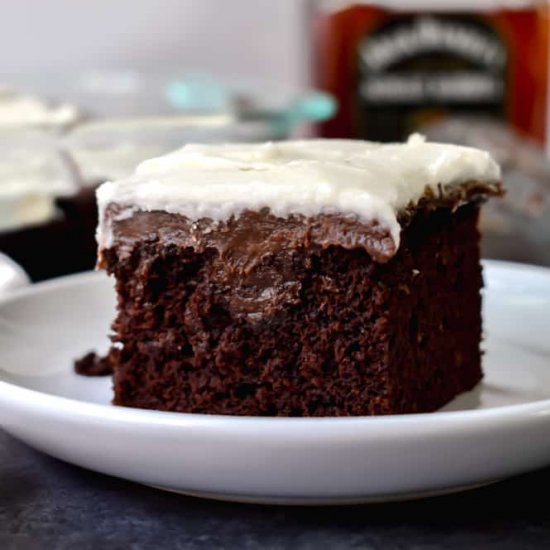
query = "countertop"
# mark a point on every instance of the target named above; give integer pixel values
(47, 504)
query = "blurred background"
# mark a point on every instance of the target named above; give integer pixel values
(262, 39)
(90, 89)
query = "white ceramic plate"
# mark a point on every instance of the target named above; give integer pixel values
(500, 429)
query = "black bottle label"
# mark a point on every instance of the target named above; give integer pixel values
(417, 69)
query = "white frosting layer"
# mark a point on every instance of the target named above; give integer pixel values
(21, 211)
(23, 110)
(370, 181)
(117, 162)
(33, 173)
(111, 149)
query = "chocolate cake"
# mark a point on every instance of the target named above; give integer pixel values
(38, 184)
(309, 278)
(36, 181)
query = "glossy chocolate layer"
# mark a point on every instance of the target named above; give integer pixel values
(258, 328)
(254, 255)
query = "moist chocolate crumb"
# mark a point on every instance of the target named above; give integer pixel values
(93, 364)
(268, 317)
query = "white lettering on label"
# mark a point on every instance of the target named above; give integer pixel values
(429, 34)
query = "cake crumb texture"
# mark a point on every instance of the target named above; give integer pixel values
(305, 330)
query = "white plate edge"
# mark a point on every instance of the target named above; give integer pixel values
(12, 395)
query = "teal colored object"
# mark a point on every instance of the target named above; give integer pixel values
(315, 107)
(318, 106)
(282, 111)
(199, 94)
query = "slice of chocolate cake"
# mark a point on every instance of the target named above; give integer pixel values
(305, 278)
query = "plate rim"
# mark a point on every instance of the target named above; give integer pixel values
(15, 395)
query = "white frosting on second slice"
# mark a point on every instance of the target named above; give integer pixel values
(33, 174)
(18, 110)
(369, 181)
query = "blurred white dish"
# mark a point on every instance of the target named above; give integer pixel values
(500, 429)
(12, 275)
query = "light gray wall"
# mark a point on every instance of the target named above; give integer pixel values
(254, 38)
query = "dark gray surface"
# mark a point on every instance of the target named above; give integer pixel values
(45, 503)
